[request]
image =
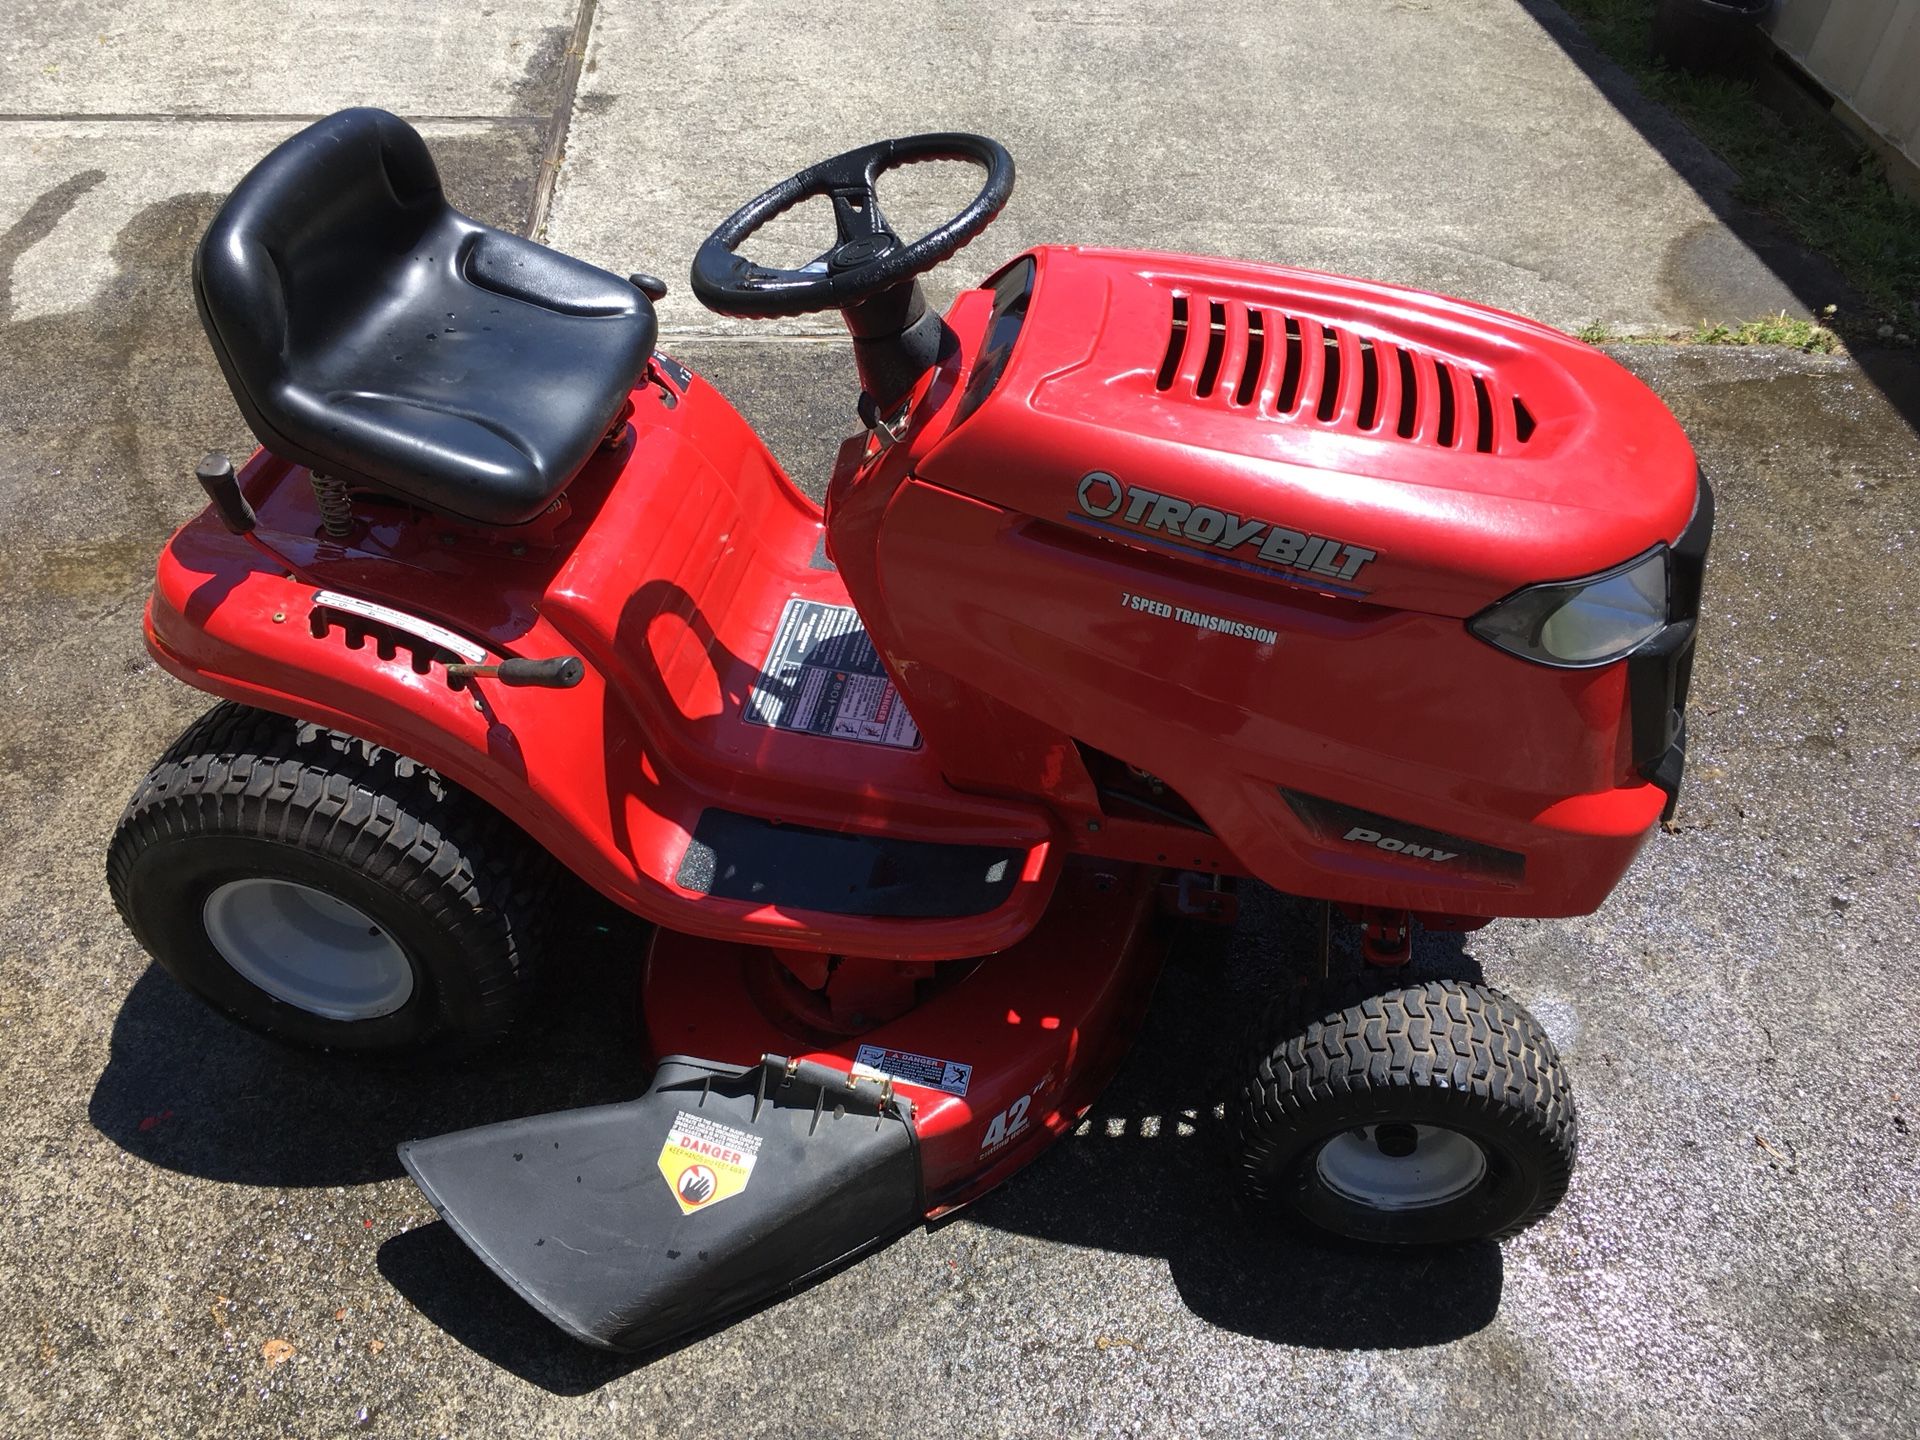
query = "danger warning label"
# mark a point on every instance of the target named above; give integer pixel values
(952, 1076)
(704, 1161)
(823, 677)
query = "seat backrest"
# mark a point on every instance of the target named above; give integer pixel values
(294, 242)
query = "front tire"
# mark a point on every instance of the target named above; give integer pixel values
(328, 892)
(1430, 1115)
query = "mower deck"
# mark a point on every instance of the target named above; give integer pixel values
(783, 1150)
(1027, 1037)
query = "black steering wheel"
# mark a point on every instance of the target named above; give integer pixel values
(867, 258)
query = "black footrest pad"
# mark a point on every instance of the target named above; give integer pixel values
(742, 857)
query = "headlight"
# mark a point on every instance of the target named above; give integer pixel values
(1582, 622)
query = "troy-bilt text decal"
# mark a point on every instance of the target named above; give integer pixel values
(1199, 619)
(705, 1162)
(1201, 527)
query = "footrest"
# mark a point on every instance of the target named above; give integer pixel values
(720, 1188)
(796, 867)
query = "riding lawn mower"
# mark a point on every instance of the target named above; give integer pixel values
(1144, 575)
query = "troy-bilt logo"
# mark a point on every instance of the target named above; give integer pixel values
(1374, 838)
(1202, 527)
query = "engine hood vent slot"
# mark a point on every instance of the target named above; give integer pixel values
(1298, 367)
(1176, 345)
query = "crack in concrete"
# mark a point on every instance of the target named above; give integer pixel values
(561, 119)
(234, 117)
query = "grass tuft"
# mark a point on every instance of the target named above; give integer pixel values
(1783, 329)
(1809, 336)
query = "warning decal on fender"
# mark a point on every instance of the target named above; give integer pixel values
(951, 1076)
(704, 1161)
(823, 677)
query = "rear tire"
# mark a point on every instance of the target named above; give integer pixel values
(1430, 1115)
(328, 892)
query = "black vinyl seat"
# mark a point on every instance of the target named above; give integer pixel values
(370, 330)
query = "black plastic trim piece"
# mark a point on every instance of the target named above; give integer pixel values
(1331, 820)
(1660, 672)
(1654, 691)
(681, 377)
(742, 857)
(1012, 291)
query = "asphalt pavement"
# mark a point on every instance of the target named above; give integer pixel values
(207, 1235)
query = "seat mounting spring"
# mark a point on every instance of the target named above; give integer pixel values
(336, 508)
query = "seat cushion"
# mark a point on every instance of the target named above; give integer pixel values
(370, 330)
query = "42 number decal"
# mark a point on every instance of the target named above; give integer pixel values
(1005, 1126)
(1011, 1123)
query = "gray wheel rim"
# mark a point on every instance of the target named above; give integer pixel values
(308, 949)
(1443, 1165)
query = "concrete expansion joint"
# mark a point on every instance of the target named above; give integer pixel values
(236, 117)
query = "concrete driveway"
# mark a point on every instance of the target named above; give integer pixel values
(1741, 1251)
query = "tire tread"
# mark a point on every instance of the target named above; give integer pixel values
(1355, 1040)
(247, 772)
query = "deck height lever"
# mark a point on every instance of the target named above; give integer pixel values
(561, 672)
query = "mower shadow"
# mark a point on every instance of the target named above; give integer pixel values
(186, 1089)
(1147, 1172)
(447, 1283)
